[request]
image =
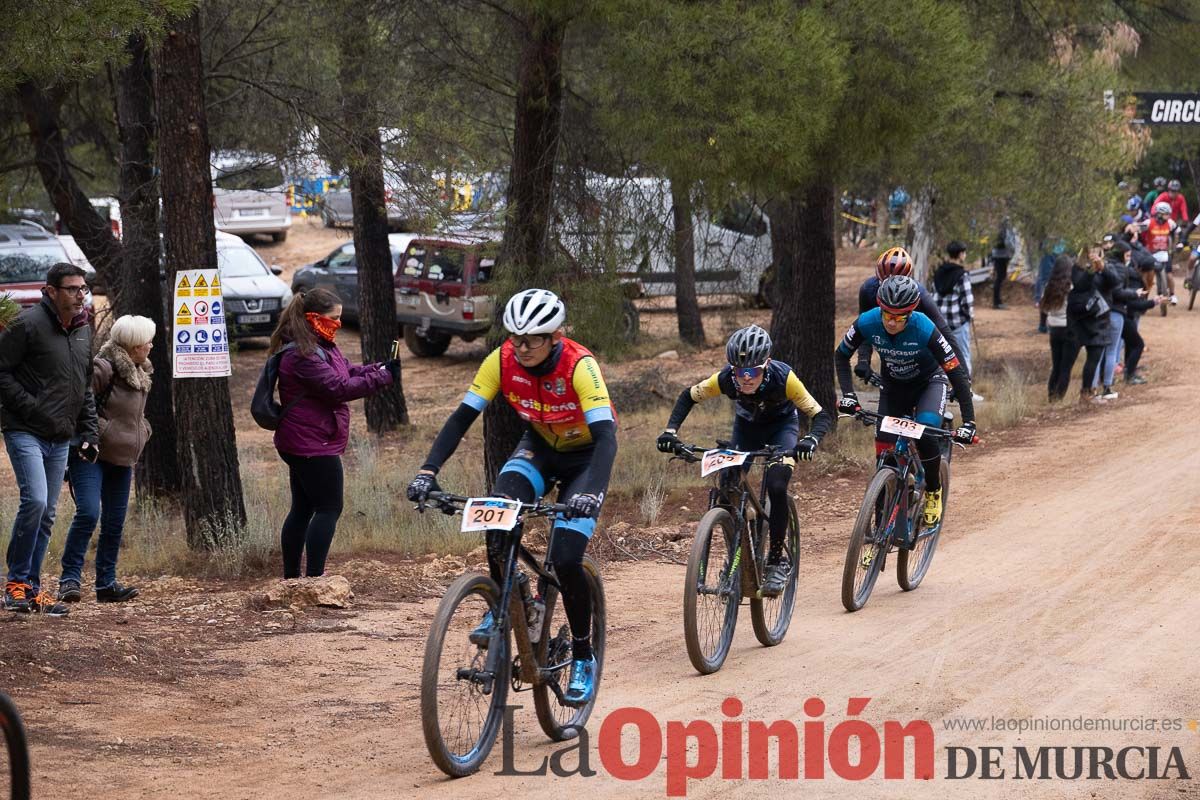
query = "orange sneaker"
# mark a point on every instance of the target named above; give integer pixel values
(45, 603)
(16, 597)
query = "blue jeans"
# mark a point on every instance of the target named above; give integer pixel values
(962, 342)
(101, 495)
(39, 466)
(1112, 349)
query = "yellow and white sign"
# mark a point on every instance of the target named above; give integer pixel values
(200, 341)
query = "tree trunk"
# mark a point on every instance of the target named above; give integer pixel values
(804, 239)
(214, 510)
(385, 410)
(141, 288)
(538, 129)
(922, 226)
(92, 232)
(687, 307)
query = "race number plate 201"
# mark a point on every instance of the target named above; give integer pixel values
(902, 427)
(716, 460)
(489, 514)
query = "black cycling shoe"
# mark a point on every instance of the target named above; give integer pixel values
(116, 594)
(775, 579)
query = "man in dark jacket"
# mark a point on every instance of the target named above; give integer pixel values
(45, 399)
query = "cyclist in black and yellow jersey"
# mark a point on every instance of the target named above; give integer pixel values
(555, 385)
(766, 397)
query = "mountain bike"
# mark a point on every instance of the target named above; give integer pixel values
(729, 558)
(464, 685)
(1162, 259)
(1192, 283)
(17, 748)
(891, 514)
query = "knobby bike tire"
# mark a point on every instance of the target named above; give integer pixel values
(913, 565)
(779, 609)
(864, 523)
(561, 722)
(708, 659)
(1161, 279)
(18, 748)
(454, 764)
(1195, 286)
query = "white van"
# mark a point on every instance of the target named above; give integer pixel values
(626, 224)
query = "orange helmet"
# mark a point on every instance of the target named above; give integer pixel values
(893, 261)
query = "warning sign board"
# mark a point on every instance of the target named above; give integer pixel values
(201, 344)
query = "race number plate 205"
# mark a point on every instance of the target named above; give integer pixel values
(489, 514)
(716, 460)
(902, 427)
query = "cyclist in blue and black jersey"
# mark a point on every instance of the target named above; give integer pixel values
(767, 395)
(917, 364)
(896, 261)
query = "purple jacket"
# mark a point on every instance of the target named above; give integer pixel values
(319, 423)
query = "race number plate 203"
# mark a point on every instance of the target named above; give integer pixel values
(716, 460)
(902, 427)
(489, 514)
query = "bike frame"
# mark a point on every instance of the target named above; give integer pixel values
(898, 524)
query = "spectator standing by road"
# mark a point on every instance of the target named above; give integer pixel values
(45, 401)
(315, 384)
(1088, 305)
(1054, 306)
(1129, 298)
(952, 292)
(1002, 254)
(120, 384)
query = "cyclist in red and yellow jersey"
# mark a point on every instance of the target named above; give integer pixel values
(555, 385)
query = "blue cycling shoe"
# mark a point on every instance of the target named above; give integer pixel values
(480, 636)
(582, 686)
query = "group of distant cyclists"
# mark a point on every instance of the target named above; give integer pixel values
(1157, 225)
(555, 385)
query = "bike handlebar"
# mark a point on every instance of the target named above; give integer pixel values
(449, 503)
(871, 417)
(687, 452)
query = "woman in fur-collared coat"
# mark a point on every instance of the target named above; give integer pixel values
(120, 384)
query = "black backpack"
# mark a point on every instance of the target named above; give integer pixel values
(266, 412)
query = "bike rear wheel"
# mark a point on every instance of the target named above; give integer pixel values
(912, 565)
(463, 686)
(711, 592)
(17, 748)
(772, 615)
(1195, 286)
(1160, 276)
(560, 721)
(868, 540)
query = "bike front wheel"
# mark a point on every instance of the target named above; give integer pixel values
(560, 721)
(1161, 278)
(911, 565)
(464, 685)
(869, 539)
(772, 615)
(17, 747)
(712, 591)
(1195, 286)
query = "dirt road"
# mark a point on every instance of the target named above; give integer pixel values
(1066, 586)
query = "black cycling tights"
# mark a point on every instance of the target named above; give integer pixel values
(566, 556)
(776, 479)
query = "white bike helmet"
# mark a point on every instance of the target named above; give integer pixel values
(1162, 208)
(534, 311)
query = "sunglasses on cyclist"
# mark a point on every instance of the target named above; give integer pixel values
(747, 374)
(890, 317)
(531, 341)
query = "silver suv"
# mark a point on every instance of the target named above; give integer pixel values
(250, 195)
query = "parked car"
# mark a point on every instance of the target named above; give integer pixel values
(442, 291)
(27, 251)
(337, 209)
(250, 195)
(253, 293)
(338, 271)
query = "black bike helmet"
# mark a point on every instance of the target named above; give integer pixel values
(748, 347)
(898, 294)
(1174, 185)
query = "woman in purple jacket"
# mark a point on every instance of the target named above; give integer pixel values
(315, 383)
